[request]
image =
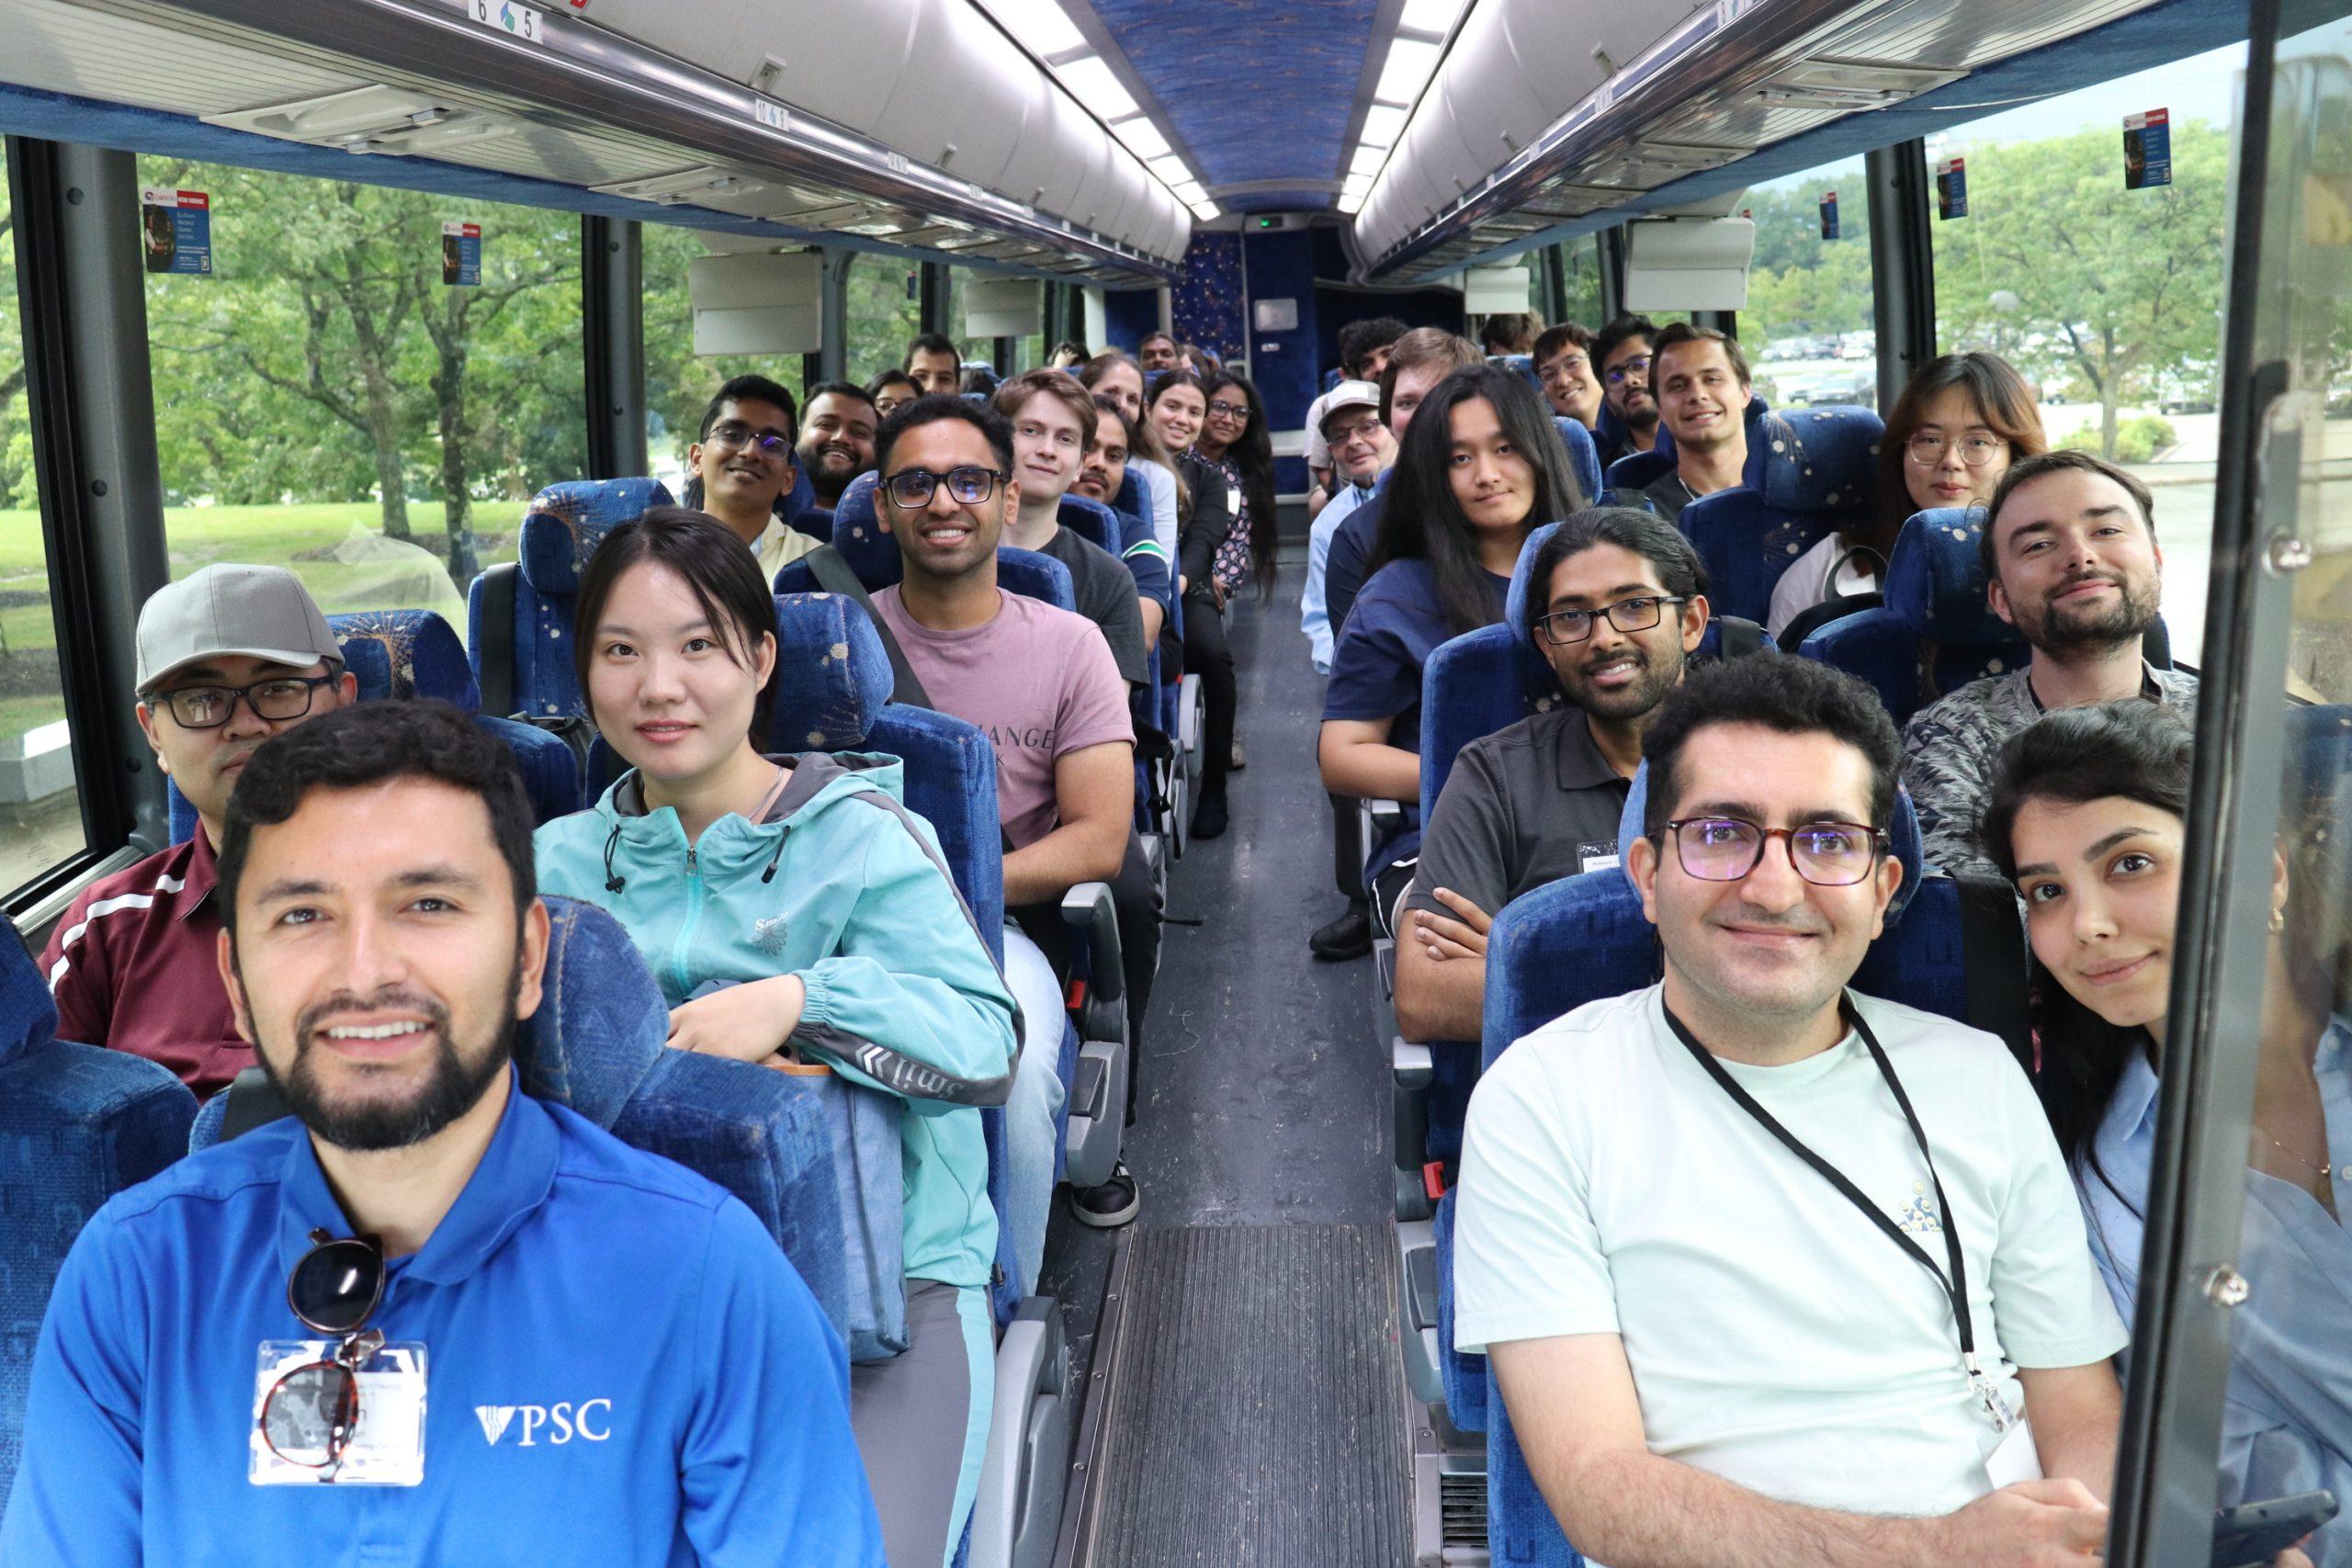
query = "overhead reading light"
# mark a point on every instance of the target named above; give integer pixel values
(1094, 84)
(1383, 124)
(1410, 61)
(1433, 17)
(1041, 26)
(1142, 137)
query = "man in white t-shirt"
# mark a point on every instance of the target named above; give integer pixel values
(1711, 1353)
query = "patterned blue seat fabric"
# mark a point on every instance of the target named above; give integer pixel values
(565, 525)
(1584, 457)
(1933, 633)
(399, 654)
(1820, 474)
(77, 1125)
(872, 555)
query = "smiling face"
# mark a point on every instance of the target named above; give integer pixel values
(1493, 482)
(837, 444)
(1414, 384)
(1360, 445)
(1226, 417)
(946, 539)
(673, 694)
(1176, 418)
(1047, 443)
(1626, 383)
(936, 370)
(2075, 565)
(205, 763)
(1614, 675)
(1104, 468)
(1771, 945)
(1570, 385)
(1936, 470)
(1700, 396)
(380, 975)
(746, 460)
(1122, 383)
(2101, 885)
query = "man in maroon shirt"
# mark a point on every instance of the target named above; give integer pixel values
(227, 658)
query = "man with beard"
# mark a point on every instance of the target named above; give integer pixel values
(1622, 606)
(562, 1348)
(1620, 352)
(2070, 558)
(743, 468)
(227, 657)
(837, 438)
(1157, 352)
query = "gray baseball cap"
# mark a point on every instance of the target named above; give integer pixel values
(262, 612)
(1347, 395)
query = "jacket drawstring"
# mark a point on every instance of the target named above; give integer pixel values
(613, 882)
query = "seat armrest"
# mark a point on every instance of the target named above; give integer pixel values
(1409, 1063)
(1088, 910)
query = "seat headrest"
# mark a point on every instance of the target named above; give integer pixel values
(1092, 521)
(1820, 460)
(28, 1012)
(422, 657)
(1515, 600)
(1903, 838)
(1034, 575)
(1130, 499)
(1934, 581)
(858, 536)
(602, 1023)
(833, 674)
(1584, 457)
(568, 520)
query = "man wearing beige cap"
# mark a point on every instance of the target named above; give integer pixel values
(227, 658)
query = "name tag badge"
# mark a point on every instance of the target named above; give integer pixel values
(1232, 500)
(1596, 857)
(2016, 1459)
(386, 1447)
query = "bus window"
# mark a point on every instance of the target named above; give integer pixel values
(1807, 323)
(40, 806)
(1580, 278)
(678, 384)
(338, 396)
(883, 314)
(2107, 299)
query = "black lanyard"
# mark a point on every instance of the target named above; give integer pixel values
(1955, 1284)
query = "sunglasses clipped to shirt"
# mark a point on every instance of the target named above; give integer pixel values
(310, 1414)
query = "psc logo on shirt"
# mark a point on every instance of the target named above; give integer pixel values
(564, 1422)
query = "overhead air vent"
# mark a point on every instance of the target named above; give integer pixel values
(1848, 85)
(391, 120)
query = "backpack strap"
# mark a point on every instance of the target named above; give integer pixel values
(494, 659)
(1741, 637)
(832, 573)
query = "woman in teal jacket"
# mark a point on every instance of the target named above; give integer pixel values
(820, 907)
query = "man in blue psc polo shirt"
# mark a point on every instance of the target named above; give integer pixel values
(579, 1352)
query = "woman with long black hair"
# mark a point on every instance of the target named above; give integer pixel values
(1481, 468)
(1224, 548)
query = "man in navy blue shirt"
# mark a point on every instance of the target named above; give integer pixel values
(427, 1318)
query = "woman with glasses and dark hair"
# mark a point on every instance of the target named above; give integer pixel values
(1224, 548)
(1480, 469)
(797, 916)
(2089, 818)
(1952, 436)
(891, 390)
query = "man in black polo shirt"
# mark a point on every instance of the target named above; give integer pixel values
(1617, 603)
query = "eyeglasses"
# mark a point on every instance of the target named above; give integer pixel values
(1564, 627)
(735, 435)
(1724, 848)
(1566, 368)
(912, 488)
(1638, 366)
(1362, 430)
(1927, 448)
(209, 707)
(309, 1415)
(1229, 410)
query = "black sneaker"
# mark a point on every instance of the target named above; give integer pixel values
(1348, 937)
(1210, 817)
(1108, 1206)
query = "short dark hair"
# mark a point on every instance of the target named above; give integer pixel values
(1554, 339)
(1680, 570)
(2065, 460)
(1619, 332)
(1511, 333)
(849, 389)
(709, 557)
(933, 407)
(1359, 338)
(931, 343)
(1150, 337)
(2137, 750)
(1058, 385)
(1678, 333)
(891, 377)
(759, 388)
(372, 743)
(1793, 696)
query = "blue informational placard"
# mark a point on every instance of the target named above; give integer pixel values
(176, 231)
(461, 255)
(2147, 149)
(1952, 188)
(1829, 215)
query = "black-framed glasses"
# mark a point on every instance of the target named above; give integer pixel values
(1230, 410)
(969, 485)
(310, 1413)
(279, 698)
(1724, 848)
(1563, 628)
(1637, 366)
(735, 435)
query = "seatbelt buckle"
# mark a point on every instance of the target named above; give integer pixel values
(1075, 997)
(1433, 1180)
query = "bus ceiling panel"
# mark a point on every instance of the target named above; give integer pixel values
(1494, 110)
(591, 82)
(972, 130)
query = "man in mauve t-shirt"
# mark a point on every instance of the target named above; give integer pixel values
(1041, 684)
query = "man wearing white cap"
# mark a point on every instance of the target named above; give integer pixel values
(227, 658)
(1361, 450)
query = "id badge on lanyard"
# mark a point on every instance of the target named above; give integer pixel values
(1987, 1394)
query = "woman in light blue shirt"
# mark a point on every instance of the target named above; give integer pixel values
(2087, 817)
